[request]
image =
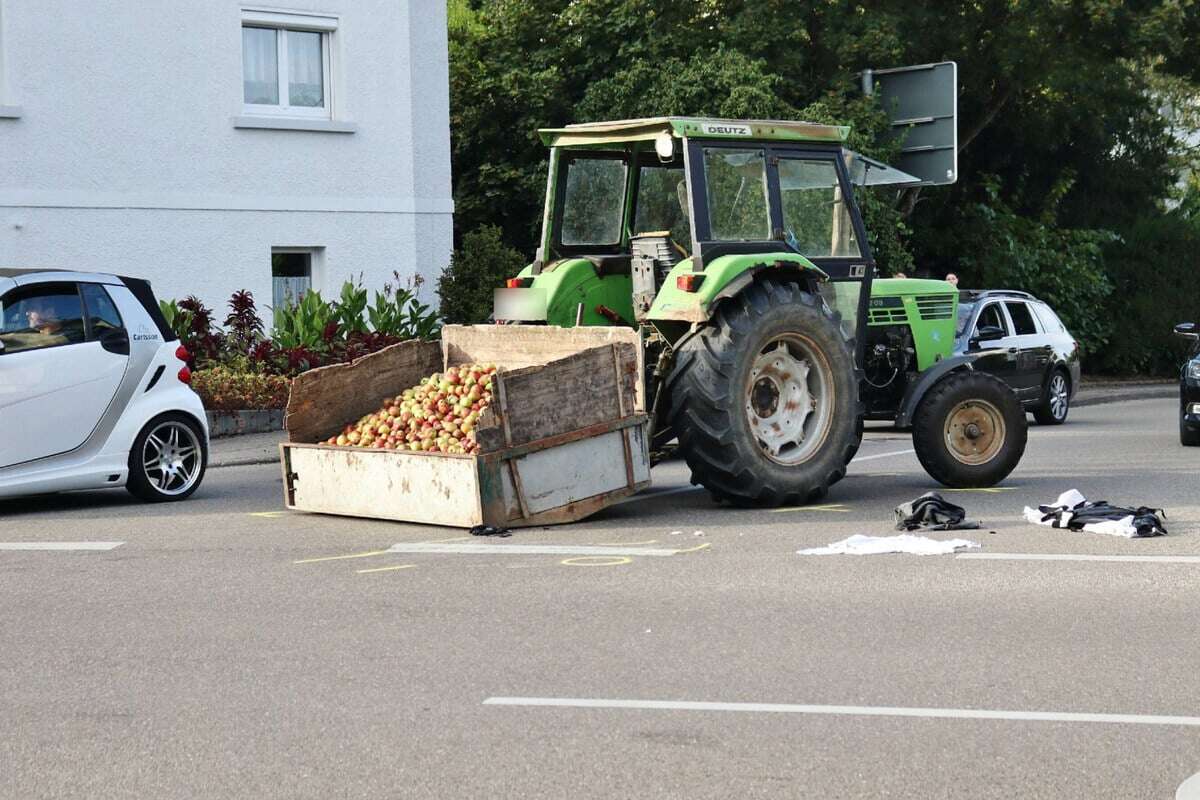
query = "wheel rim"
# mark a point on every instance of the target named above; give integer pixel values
(171, 458)
(1058, 396)
(974, 432)
(789, 399)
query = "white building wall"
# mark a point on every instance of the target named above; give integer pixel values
(123, 154)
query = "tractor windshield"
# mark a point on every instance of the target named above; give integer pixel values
(737, 194)
(815, 215)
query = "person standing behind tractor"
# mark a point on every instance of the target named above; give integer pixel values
(952, 279)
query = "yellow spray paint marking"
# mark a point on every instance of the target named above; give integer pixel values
(339, 558)
(596, 561)
(625, 544)
(704, 546)
(834, 507)
(988, 490)
(268, 514)
(384, 569)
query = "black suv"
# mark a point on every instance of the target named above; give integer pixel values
(1041, 361)
(1189, 387)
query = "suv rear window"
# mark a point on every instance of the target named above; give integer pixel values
(1050, 320)
(1022, 318)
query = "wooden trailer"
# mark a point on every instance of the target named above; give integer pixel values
(565, 436)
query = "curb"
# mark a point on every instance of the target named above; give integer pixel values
(1157, 392)
(243, 462)
(236, 423)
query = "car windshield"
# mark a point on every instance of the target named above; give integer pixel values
(965, 310)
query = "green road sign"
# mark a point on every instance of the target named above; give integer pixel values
(922, 102)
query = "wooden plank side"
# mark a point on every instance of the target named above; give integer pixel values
(380, 484)
(323, 400)
(571, 393)
(514, 346)
(571, 472)
(639, 454)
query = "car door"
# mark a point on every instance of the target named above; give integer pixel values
(56, 375)
(1032, 350)
(997, 357)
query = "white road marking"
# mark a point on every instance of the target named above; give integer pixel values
(1189, 789)
(882, 455)
(1081, 557)
(855, 711)
(529, 549)
(60, 545)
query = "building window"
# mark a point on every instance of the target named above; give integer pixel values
(286, 68)
(291, 274)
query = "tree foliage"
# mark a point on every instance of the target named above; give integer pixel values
(477, 267)
(1074, 118)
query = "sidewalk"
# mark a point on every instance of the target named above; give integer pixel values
(253, 448)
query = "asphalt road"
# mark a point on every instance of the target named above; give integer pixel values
(214, 654)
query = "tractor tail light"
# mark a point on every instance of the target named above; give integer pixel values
(185, 375)
(182, 354)
(518, 283)
(689, 283)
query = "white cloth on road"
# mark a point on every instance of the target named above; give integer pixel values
(860, 545)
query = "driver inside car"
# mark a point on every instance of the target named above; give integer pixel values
(35, 324)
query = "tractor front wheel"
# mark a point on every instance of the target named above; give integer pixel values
(969, 430)
(764, 400)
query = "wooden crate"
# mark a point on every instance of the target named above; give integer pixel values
(565, 435)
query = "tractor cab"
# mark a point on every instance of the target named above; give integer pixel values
(651, 222)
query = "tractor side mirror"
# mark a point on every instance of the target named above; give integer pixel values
(1188, 330)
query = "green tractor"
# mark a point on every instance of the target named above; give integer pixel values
(737, 250)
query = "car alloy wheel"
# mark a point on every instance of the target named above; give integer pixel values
(1058, 396)
(171, 458)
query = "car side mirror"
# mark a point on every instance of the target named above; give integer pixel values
(115, 340)
(1188, 330)
(987, 333)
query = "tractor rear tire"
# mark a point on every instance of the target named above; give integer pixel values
(764, 399)
(969, 430)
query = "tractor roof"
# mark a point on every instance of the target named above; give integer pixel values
(637, 130)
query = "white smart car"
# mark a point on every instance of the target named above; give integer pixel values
(94, 389)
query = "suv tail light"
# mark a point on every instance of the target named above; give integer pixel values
(182, 354)
(185, 375)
